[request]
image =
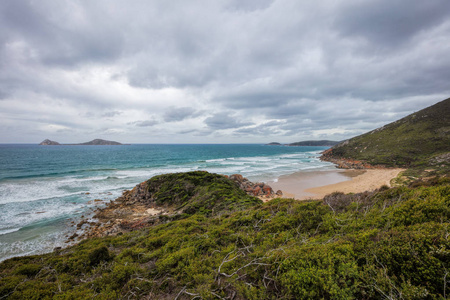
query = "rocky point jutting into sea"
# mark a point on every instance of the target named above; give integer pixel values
(140, 207)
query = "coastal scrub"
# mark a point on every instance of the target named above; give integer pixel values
(388, 243)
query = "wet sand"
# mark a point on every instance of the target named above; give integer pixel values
(317, 184)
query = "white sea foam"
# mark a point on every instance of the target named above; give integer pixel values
(6, 231)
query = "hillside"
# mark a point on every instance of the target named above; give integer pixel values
(417, 141)
(389, 243)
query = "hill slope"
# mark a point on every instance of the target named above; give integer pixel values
(418, 140)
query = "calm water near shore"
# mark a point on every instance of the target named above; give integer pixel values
(44, 188)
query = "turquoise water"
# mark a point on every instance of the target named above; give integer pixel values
(44, 188)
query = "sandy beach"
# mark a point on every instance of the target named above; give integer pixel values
(316, 184)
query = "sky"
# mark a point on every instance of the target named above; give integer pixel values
(223, 71)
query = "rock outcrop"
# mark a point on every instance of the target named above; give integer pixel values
(258, 189)
(133, 210)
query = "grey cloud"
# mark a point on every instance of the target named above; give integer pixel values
(175, 114)
(187, 131)
(147, 123)
(248, 5)
(61, 39)
(391, 22)
(195, 132)
(266, 129)
(224, 121)
(111, 114)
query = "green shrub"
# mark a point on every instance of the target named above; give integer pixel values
(98, 255)
(28, 270)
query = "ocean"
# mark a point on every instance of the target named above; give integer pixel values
(44, 190)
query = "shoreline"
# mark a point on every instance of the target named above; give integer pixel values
(317, 184)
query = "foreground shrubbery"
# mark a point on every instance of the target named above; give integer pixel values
(391, 243)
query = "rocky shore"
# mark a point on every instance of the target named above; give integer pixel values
(138, 208)
(259, 189)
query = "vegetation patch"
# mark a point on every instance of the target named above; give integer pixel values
(198, 192)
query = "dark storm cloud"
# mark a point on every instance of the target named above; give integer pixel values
(54, 39)
(246, 69)
(389, 23)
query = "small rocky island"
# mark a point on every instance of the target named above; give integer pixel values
(274, 144)
(48, 142)
(96, 142)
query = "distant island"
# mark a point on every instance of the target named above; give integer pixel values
(96, 142)
(48, 142)
(307, 143)
(315, 143)
(274, 144)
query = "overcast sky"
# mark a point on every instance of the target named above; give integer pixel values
(223, 71)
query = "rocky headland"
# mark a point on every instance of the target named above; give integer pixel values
(143, 206)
